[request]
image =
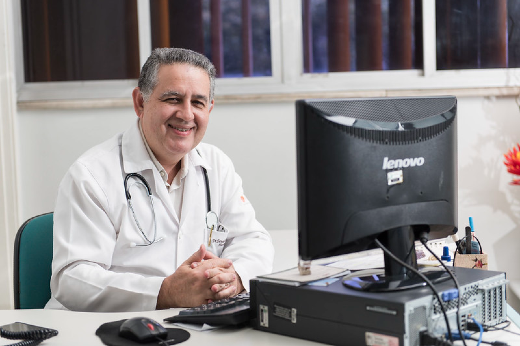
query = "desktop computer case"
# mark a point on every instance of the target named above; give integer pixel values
(334, 314)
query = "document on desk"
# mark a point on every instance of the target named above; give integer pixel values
(369, 261)
(198, 327)
(293, 277)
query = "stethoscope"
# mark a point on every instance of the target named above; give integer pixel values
(211, 216)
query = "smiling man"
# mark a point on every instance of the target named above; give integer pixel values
(153, 218)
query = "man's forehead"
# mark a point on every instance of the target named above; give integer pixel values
(168, 68)
(164, 75)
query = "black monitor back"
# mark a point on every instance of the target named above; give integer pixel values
(369, 165)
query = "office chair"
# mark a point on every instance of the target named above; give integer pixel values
(32, 262)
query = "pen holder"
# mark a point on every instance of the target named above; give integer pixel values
(474, 261)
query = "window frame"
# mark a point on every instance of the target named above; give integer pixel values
(287, 82)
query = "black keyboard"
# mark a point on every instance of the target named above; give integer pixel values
(230, 311)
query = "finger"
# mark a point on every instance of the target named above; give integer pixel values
(218, 276)
(222, 278)
(216, 263)
(226, 293)
(198, 256)
(219, 287)
(210, 255)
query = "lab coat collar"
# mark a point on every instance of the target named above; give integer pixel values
(135, 157)
(137, 160)
(193, 182)
(196, 159)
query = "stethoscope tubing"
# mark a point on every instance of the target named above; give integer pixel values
(143, 181)
(208, 193)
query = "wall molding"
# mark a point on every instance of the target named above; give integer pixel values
(9, 200)
(276, 97)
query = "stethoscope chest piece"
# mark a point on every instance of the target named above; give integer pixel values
(211, 220)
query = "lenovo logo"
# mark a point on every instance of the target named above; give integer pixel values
(402, 163)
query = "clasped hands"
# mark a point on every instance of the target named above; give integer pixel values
(202, 278)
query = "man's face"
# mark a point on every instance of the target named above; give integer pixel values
(176, 116)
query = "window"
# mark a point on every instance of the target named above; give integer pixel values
(234, 35)
(478, 34)
(67, 40)
(361, 35)
(273, 49)
(371, 35)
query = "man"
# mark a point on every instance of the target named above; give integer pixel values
(153, 218)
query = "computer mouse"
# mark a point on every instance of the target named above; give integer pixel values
(142, 329)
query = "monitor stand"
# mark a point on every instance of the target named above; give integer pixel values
(400, 241)
(379, 282)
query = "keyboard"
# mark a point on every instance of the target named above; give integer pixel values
(230, 311)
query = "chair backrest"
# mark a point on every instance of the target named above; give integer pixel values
(32, 263)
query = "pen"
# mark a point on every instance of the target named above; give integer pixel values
(475, 247)
(209, 238)
(468, 239)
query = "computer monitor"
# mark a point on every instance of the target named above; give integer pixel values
(370, 168)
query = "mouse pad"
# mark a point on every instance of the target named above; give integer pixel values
(109, 334)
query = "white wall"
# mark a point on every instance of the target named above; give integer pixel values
(260, 138)
(488, 127)
(9, 193)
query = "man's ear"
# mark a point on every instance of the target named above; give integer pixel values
(138, 99)
(211, 105)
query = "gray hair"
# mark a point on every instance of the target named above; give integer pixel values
(169, 56)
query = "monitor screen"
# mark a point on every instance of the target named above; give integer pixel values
(375, 168)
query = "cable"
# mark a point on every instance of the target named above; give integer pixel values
(510, 331)
(481, 331)
(428, 339)
(33, 334)
(474, 327)
(495, 328)
(424, 240)
(460, 247)
(475, 322)
(28, 343)
(425, 279)
(494, 343)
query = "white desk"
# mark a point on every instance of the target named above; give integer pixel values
(78, 328)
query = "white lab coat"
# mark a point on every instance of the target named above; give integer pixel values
(95, 268)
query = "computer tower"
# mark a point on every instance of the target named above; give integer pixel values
(337, 315)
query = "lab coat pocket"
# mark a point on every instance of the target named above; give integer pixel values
(217, 240)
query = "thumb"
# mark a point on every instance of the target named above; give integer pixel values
(198, 256)
(209, 255)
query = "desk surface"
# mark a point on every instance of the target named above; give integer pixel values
(78, 328)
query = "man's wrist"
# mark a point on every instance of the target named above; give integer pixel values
(165, 299)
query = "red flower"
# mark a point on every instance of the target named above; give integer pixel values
(512, 162)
